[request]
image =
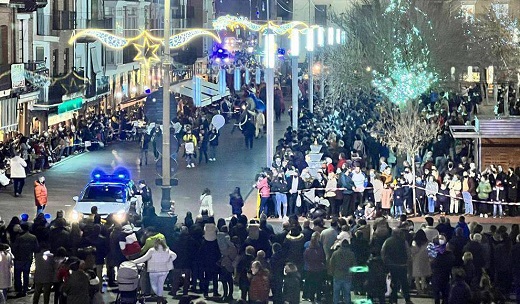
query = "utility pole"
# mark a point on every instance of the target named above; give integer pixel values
(166, 187)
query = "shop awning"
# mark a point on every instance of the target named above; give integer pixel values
(209, 91)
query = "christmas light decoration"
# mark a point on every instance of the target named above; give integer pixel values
(147, 52)
(233, 22)
(407, 77)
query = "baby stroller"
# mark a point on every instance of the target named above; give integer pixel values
(128, 277)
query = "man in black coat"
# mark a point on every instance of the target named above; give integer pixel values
(395, 253)
(24, 248)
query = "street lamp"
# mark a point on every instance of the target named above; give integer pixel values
(310, 49)
(330, 36)
(321, 43)
(166, 187)
(295, 53)
(269, 63)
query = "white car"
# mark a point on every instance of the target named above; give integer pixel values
(111, 194)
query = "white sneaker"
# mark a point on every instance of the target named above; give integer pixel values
(193, 165)
(481, 215)
(486, 216)
(188, 166)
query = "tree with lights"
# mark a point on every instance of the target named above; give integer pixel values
(371, 26)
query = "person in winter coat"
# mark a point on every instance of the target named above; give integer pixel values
(339, 268)
(442, 261)
(210, 254)
(242, 271)
(75, 287)
(249, 130)
(386, 198)
(443, 198)
(40, 194)
(291, 284)
(236, 201)
(115, 255)
(259, 284)
(460, 292)
(229, 255)
(512, 189)
(6, 263)
(421, 269)
(213, 143)
(455, 187)
(395, 253)
(262, 185)
(159, 261)
(43, 274)
(59, 235)
(23, 248)
(279, 187)
(18, 175)
(376, 279)
(498, 196)
(128, 244)
(293, 246)
(483, 192)
(315, 267)
(399, 198)
(186, 249)
(206, 202)
(432, 187)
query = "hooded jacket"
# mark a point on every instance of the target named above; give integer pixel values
(40, 194)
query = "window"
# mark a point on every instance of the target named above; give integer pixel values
(55, 62)
(104, 193)
(4, 44)
(40, 53)
(66, 60)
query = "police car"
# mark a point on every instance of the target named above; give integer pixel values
(110, 193)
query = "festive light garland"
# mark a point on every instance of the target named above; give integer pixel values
(232, 22)
(147, 51)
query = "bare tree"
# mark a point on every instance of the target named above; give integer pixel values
(497, 37)
(405, 130)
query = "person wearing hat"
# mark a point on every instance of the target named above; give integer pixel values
(210, 252)
(40, 194)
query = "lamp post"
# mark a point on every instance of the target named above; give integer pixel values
(321, 43)
(310, 50)
(269, 62)
(295, 53)
(166, 187)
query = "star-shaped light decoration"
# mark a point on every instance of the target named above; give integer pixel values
(74, 77)
(147, 52)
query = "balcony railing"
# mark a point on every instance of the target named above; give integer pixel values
(43, 25)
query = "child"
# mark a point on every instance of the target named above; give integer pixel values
(360, 212)
(370, 212)
(189, 150)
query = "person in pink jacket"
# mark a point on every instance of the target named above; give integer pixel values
(265, 192)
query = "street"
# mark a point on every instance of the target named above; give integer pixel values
(235, 167)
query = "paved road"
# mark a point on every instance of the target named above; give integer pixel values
(235, 166)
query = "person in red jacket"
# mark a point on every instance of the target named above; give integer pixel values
(40, 194)
(259, 284)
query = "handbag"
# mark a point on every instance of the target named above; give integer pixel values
(4, 180)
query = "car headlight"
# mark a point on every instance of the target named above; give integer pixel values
(120, 217)
(75, 216)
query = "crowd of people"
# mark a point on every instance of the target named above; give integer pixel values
(308, 260)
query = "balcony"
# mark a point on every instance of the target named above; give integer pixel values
(44, 23)
(63, 20)
(28, 6)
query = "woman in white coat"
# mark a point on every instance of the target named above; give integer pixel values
(206, 202)
(6, 264)
(17, 165)
(159, 262)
